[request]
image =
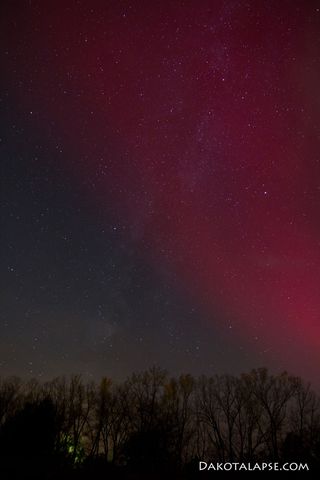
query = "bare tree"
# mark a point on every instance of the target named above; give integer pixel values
(10, 397)
(178, 413)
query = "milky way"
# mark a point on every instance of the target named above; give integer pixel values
(212, 112)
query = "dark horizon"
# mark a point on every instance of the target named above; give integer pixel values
(154, 425)
(117, 380)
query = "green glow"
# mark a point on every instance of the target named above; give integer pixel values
(76, 452)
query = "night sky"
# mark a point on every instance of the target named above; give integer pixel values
(160, 186)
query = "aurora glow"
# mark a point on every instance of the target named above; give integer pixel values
(211, 112)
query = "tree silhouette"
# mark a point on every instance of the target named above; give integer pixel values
(153, 425)
(28, 441)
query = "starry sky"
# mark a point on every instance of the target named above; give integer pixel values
(160, 186)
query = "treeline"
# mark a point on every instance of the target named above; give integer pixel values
(151, 425)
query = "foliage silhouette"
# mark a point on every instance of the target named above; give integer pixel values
(151, 426)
